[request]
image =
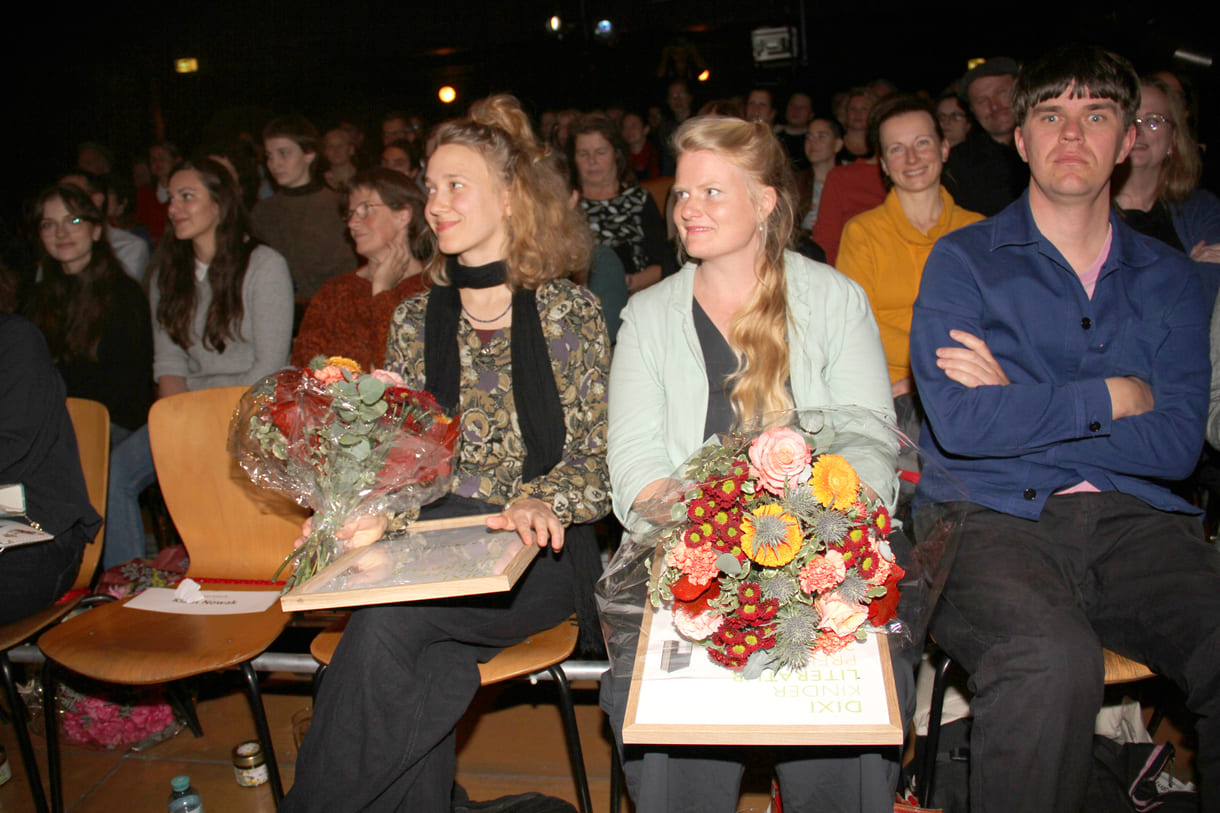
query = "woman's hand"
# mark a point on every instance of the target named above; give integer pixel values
(533, 520)
(389, 269)
(355, 533)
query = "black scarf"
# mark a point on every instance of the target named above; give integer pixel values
(539, 413)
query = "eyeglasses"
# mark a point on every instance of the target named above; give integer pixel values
(1153, 121)
(947, 117)
(361, 210)
(69, 223)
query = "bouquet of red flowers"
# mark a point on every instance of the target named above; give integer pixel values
(345, 444)
(780, 553)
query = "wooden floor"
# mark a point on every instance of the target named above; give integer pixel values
(511, 742)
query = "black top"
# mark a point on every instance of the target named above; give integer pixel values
(121, 376)
(983, 175)
(37, 442)
(721, 362)
(1157, 222)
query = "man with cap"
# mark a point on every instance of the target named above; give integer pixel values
(984, 172)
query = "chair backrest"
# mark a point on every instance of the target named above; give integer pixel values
(91, 422)
(232, 529)
(659, 189)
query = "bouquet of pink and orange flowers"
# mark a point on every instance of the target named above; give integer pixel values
(772, 545)
(345, 444)
(782, 553)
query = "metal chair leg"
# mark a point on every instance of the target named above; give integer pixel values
(927, 777)
(180, 699)
(616, 780)
(264, 732)
(50, 686)
(17, 707)
(572, 734)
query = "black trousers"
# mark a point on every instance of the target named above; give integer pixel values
(1028, 607)
(382, 736)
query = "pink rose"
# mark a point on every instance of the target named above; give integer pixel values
(839, 616)
(823, 573)
(389, 378)
(329, 374)
(778, 456)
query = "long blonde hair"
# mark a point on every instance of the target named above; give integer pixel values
(759, 331)
(547, 239)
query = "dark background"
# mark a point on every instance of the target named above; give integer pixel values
(106, 73)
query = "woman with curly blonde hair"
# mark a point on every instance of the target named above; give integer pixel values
(522, 354)
(745, 329)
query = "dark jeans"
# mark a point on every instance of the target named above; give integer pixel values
(382, 736)
(1029, 606)
(33, 576)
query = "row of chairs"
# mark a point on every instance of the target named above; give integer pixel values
(238, 534)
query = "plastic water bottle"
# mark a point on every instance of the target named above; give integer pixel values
(184, 799)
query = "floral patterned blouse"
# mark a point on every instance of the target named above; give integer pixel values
(491, 449)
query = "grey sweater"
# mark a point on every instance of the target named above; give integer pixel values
(264, 336)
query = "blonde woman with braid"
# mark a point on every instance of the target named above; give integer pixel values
(745, 329)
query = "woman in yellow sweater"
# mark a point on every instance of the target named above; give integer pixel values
(884, 249)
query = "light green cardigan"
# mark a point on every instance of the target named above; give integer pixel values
(658, 383)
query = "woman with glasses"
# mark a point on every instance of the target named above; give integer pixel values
(1156, 189)
(93, 315)
(222, 315)
(350, 314)
(955, 120)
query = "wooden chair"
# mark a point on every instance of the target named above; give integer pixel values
(91, 422)
(543, 652)
(232, 530)
(659, 189)
(1118, 669)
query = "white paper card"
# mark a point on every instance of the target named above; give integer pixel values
(215, 602)
(12, 499)
(682, 684)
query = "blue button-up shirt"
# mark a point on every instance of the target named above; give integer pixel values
(1011, 447)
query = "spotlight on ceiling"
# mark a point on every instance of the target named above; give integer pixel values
(604, 30)
(186, 65)
(447, 94)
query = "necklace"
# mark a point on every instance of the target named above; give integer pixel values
(474, 318)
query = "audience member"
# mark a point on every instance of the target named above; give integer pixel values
(222, 315)
(93, 315)
(396, 125)
(533, 454)
(955, 120)
(797, 115)
(760, 106)
(621, 214)
(984, 173)
(350, 314)
(849, 190)
(340, 153)
(643, 157)
(38, 450)
(1061, 358)
(95, 158)
(301, 220)
(823, 140)
(152, 201)
(131, 251)
(402, 156)
(884, 249)
(860, 102)
(1156, 188)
